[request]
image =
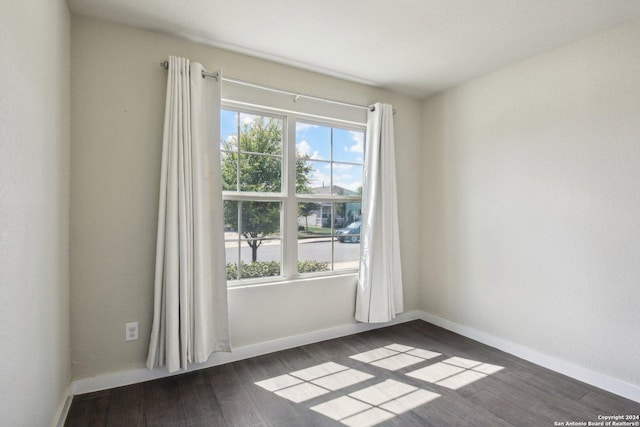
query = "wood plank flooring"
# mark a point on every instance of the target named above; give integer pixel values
(456, 382)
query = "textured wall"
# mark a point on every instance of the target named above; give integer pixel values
(34, 210)
(532, 203)
(118, 94)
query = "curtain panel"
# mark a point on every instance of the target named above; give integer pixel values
(379, 293)
(190, 320)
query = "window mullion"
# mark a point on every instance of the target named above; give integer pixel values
(290, 243)
(239, 241)
(238, 164)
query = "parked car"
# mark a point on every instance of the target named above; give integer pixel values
(351, 233)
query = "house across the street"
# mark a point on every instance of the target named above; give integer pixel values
(320, 216)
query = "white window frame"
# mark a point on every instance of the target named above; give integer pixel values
(287, 197)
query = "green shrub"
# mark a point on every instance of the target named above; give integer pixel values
(254, 269)
(271, 268)
(232, 271)
(312, 266)
(261, 269)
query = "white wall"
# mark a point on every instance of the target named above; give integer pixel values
(118, 93)
(34, 210)
(532, 200)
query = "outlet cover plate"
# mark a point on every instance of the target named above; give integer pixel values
(131, 331)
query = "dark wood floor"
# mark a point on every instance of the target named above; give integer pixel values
(518, 394)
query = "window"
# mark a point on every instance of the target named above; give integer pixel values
(292, 191)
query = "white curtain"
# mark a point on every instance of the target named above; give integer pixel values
(379, 292)
(190, 319)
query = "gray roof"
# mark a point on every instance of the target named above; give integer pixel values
(335, 189)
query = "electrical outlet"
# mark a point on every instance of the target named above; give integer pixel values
(131, 331)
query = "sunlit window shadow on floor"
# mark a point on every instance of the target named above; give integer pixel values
(375, 404)
(379, 402)
(455, 372)
(312, 382)
(395, 356)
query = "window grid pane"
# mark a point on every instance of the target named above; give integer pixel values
(332, 168)
(253, 242)
(328, 236)
(251, 152)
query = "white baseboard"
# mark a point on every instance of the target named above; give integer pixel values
(63, 409)
(118, 379)
(614, 385)
(596, 379)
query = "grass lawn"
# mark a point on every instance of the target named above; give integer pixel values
(318, 230)
(314, 232)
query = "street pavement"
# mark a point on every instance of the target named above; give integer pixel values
(346, 255)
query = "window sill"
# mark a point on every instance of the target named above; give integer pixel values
(260, 283)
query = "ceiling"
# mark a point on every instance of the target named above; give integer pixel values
(416, 47)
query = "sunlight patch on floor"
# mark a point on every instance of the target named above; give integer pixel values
(342, 379)
(395, 356)
(306, 384)
(454, 372)
(394, 396)
(318, 371)
(384, 400)
(375, 404)
(302, 392)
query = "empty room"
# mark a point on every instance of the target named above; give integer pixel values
(320, 213)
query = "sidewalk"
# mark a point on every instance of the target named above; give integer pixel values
(231, 240)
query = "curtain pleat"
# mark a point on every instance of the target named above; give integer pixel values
(379, 293)
(190, 319)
